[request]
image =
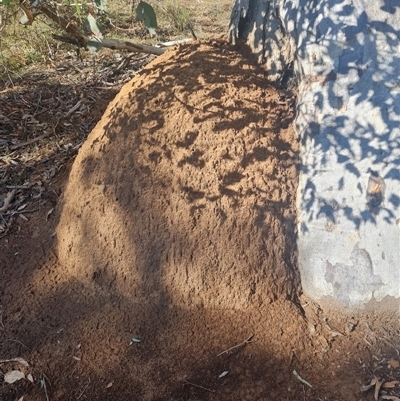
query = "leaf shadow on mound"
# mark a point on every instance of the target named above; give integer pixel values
(189, 257)
(345, 45)
(168, 250)
(347, 62)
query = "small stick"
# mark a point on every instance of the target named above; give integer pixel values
(301, 379)
(87, 385)
(16, 341)
(22, 144)
(196, 385)
(43, 384)
(238, 345)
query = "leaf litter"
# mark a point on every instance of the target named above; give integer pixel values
(45, 116)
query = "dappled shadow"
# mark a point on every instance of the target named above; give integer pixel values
(175, 224)
(43, 122)
(346, 59)
(349, 113)
(349, 122)
(189, 258)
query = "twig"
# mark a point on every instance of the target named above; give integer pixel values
(74, 108)
(238, 345)
(15, 341)
(43, 384)
(196, 385)
(14, 212)
(301, 379)
(81, 394)
(7, 202)
(38, 138)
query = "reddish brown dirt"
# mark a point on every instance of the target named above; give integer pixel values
(177, 226)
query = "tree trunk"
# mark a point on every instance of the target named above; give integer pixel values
(258, 22)
(346, 57)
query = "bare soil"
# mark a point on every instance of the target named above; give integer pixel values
(168, 269)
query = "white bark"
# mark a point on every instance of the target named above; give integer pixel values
(346, 56)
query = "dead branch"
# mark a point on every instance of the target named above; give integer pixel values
(76, 37)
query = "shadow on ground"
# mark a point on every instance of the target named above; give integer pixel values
(177, 228)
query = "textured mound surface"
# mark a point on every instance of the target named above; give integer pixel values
(181, 205)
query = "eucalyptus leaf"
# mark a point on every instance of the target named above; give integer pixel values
(145, 13)
(13, 376)
(94, 45)
(91, 27)
(101, 4)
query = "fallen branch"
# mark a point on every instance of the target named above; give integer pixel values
(175, 42)
(75, 36)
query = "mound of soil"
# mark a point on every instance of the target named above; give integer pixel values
(169, 270)
(180, 212)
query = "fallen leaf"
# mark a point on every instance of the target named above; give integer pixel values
(223, 374)
(377, 389)
(13, 376)
(394, 363)
(109, 385)
(21, 399)
(23, 217)
(20, 360)
(372, 383)
(135, 341)
(30, 378)
(49, 213)
(391, 384)
(390, 397)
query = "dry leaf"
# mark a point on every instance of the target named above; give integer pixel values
(391, 384)
(20, 360)
(13, 376)
(223, 374)
(21, 399)
(370, 385)
(48, 215)
(390, 397)
(30, 378)
(394, 363)
(23, 217)
(377, 389)
(109, 385)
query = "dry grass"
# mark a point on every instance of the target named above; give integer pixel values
(26, 46)
(50, 99)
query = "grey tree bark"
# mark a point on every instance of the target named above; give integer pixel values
(346, 57)
(258, 22)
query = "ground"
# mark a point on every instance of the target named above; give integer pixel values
(161, 264)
